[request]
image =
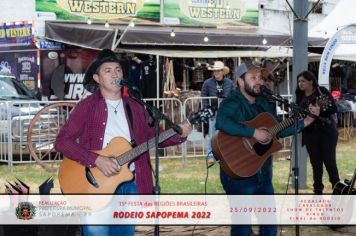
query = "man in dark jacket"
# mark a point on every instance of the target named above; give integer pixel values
(217, 86)
(245, 104)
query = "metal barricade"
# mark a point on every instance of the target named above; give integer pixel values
(196, 144)
(43, 131)
(15, 118)
(283, 112)
(172, 108)
(5, 126)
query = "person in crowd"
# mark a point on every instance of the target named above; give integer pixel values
(244, 104)
(268, 80)
(321, 137)
(216, 86)
(99, 118)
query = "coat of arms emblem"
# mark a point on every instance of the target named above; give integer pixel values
(25, 211)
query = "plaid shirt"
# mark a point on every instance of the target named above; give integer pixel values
(84, 131)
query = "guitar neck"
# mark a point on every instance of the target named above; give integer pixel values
(135, 152)
(352, 184)
(281, 126)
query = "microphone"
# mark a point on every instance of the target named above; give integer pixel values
(264, 91)
(267, 93)
(133, 90)
(120, 82)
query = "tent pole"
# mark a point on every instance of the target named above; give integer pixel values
(121, 36)
(161, 12)
(300, 63)
(185, 76)
(113, 46)
(233, 71)
(157, 77)
(288, 79)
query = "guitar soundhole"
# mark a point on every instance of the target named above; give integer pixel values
(262, 148)
(90, 177)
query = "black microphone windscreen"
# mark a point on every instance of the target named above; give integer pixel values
(265, 91)
(120, 81)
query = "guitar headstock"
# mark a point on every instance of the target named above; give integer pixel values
(202, 116)
(324, 102)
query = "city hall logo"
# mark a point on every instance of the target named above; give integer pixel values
(25, 211)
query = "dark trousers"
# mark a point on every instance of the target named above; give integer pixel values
(19, 230)
(39, 230)
(322, 150)
(113, 230)
(259, 184)
(58, 230)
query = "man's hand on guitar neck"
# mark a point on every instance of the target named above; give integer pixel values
(262, 135)
(108, 166)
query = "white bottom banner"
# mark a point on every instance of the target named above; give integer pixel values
(178, 209)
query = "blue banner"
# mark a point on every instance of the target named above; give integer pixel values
(26, 64)
(7, 64)
(16, 35)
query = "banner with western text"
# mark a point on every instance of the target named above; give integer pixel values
(102, 10)
(16, 35)
(211, 12)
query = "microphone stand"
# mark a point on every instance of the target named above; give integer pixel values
(157, 116)
(295, 111)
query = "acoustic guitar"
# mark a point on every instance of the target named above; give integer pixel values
(345, 187)
(243, 157)
(75, 178)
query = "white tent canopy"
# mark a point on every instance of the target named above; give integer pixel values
(342, 16)
(272, 52)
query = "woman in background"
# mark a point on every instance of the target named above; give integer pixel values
(321, 136)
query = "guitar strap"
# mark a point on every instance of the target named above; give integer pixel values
(129, 114)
